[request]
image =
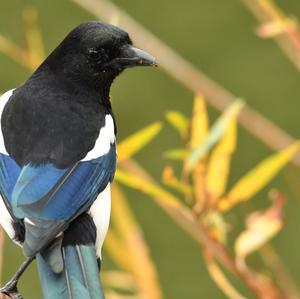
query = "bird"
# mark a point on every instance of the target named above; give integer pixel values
(58, 158)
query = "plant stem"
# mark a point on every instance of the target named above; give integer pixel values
(196, 229)
(188, 75)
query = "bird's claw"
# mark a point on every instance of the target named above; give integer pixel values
(11, 290)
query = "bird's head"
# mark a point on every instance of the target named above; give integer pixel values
(95, 52)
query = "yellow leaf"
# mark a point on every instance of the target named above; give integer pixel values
(132, 144)
(199, 126)
(142, 266)
(199, 129)
(219, 163)
(112, 246)
(151, 189)
(200, 186)
(258, 177)
(178, 121)
(171, 180)
(214, 135)
(260, 228)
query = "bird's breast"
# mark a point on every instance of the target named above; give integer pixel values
(58, 131)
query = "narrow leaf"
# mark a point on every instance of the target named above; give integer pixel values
(199, 184)
(258, 177)
(112, 246)
(134, 143)
(199, 125)
(214, 135)
(220, 279)
(171, 180)
(199, 129)
(219, 163)
(176, 154)
(151, 189)
(178, 121)
(143, 268)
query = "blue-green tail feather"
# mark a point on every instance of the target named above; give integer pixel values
(79, 278)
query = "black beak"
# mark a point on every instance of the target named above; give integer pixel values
(130, 56)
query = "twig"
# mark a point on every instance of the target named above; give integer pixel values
(184, 72)
(219, 278)
(14, 52)
(288, 38)
(188, 222)
(283, 277)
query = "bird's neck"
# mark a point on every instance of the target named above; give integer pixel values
(99, 93)
(95, 90)
(103, 90)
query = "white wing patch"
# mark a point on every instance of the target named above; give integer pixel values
(3, 100)
(100, 212)
(6, 220)
(105, 139)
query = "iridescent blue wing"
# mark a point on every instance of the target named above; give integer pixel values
(49, 198)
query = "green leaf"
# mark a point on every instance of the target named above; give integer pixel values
(176, 154)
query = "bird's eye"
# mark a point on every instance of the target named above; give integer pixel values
(94, 54)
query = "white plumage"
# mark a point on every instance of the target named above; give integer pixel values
(3, 100)
(105, 139)
(6, 220)
(100, 212)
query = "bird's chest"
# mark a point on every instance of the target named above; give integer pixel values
(56, 132)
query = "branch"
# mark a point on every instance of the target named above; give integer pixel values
(188, 75)
(195, 228)
(4, 296)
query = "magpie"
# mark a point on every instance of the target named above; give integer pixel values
(58, 158)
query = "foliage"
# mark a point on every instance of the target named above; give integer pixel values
(204, 197)
(197, 199)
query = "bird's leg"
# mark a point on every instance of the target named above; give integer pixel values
(11, 288)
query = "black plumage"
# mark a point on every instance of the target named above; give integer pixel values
(66, 115)
(60, 154)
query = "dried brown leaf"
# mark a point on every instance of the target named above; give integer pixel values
(260, 228)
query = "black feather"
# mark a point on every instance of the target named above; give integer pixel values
(82, 231)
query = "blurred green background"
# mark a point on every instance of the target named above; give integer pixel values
(218, 37)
